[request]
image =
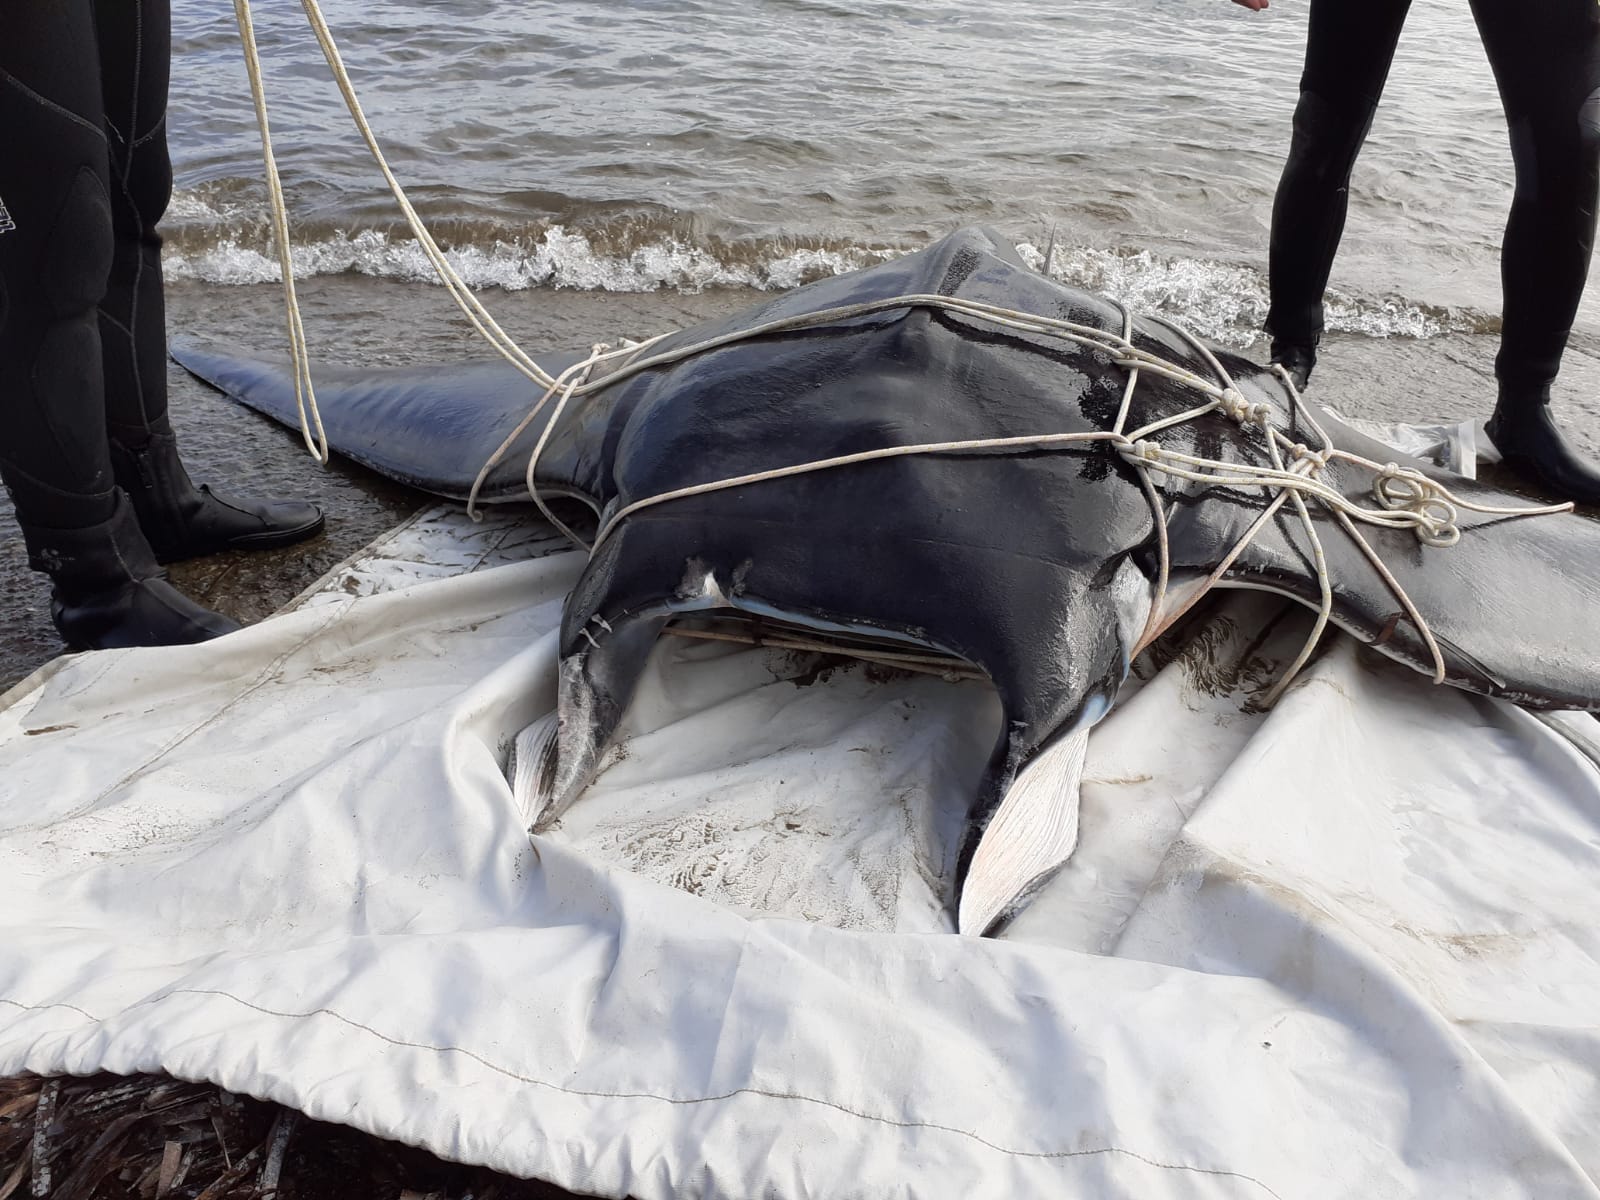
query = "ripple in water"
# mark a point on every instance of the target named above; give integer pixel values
(694, 144)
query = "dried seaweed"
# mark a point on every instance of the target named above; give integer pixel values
(109, 1137)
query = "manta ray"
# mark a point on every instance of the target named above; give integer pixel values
(952, 459)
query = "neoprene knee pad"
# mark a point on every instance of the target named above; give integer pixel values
(1328, 135)
(149, 184)
(76, 257)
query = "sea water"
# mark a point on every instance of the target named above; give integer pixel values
(698, 144)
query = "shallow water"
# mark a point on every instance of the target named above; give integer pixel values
(695, 143)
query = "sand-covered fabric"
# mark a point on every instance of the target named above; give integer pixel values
(1349, 948)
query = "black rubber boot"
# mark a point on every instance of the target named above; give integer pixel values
(182, 521)
(110, 592)
(1297, 358)
(1532, 446)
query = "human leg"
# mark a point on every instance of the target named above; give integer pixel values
(53, 266)
(1546, 60)
(1349, 48)
(54, 261)
(180, 520)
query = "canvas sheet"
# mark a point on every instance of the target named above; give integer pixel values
(1348, 948)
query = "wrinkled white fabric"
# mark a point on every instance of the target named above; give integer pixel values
(1346, 949)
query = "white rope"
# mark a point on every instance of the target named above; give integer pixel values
(305, 396)
(573, 377)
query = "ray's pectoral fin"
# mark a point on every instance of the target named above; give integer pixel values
(1024, 825)
(429, 427)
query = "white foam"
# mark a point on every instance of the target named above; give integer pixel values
(1221, 301)
(557, 258)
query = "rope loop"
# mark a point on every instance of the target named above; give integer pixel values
(1404, 490)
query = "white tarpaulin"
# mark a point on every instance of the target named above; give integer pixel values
(1350, 948)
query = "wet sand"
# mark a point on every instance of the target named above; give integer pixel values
(357, 320)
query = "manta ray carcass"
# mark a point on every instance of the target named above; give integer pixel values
(952, 458)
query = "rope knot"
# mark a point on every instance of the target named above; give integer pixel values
(1146, 450)
(1304, 453)
(1233, 404)
(1404, 490)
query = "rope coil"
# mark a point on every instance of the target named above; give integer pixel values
(1401, 489)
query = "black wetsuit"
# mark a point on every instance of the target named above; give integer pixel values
(84, 177)
(1546, 60)
(86, 449)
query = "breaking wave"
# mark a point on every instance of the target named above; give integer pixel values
(1228, 303)
(225, 244)
(557, 258)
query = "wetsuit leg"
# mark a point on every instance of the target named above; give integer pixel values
(1349, 48)
(55, 257)
(1546, 60)
(179, 519)
(53, 267)
(135, 40)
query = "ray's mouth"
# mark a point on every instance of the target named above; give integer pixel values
(749, 629)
